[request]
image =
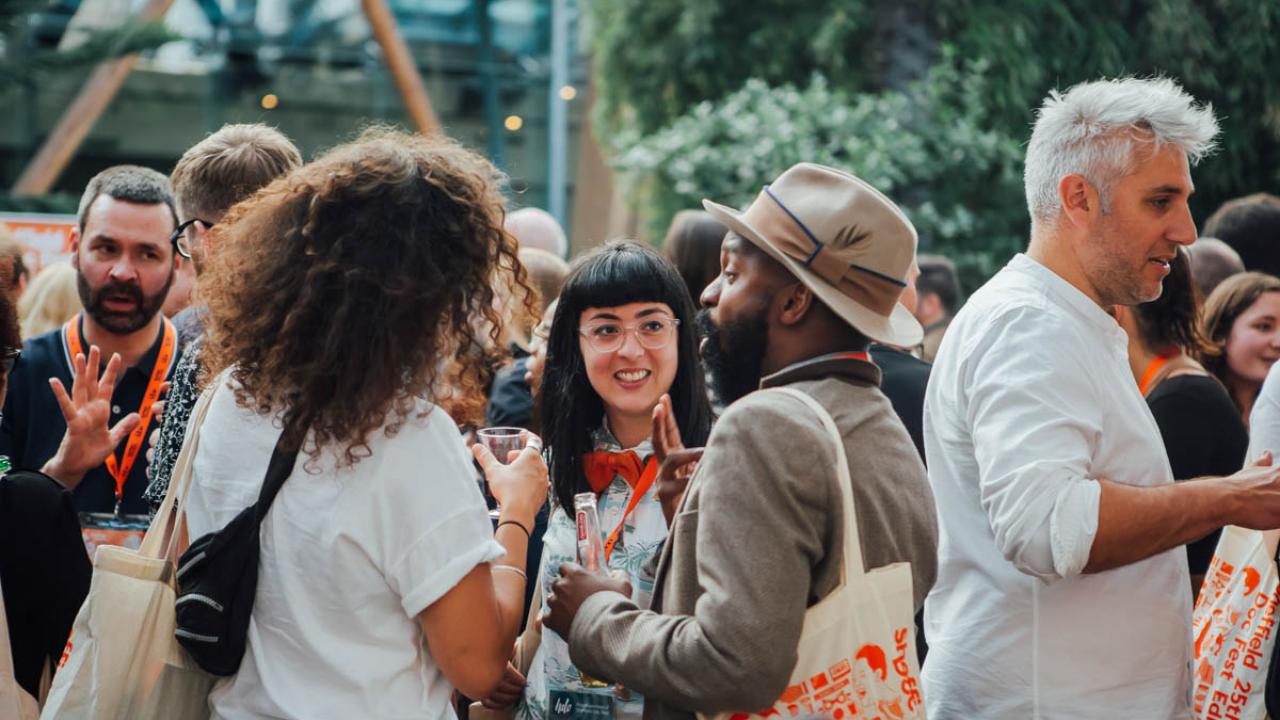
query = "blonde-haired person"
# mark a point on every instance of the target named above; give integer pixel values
(1242, 322)
(50, 300)
(333, 297)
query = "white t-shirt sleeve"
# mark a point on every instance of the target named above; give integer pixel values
(438, 529)
(1034, 427)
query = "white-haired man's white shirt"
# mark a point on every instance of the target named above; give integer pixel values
(1030, 399)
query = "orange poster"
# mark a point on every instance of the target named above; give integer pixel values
(46, 237)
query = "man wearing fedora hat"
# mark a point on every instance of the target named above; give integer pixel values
(811, 273)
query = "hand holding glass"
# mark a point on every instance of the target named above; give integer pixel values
(506, 444)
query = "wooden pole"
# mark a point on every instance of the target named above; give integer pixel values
(79, 118)
(402, 65)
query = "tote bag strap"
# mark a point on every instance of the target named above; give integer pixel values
(853, 566)
(161, 537)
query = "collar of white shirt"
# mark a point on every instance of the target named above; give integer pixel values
(1072, 298)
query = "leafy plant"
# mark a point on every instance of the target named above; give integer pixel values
(930, 148)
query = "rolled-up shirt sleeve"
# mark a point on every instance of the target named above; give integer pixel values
(1034, 433)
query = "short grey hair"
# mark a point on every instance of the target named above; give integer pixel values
(1093, 129)
(130, 183)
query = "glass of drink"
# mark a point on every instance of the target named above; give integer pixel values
(502, 441)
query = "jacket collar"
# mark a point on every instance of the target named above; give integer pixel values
(856, 368)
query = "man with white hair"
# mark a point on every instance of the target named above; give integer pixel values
(1062, 584)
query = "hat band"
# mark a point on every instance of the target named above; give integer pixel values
(779, 227)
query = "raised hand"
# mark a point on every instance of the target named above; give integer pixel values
(87, 411)
(676, 463)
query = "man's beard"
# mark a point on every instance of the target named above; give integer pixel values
(120, 323)
(734, 354)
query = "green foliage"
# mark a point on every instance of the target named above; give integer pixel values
(929, 147)
(659, 57)
(714, 98)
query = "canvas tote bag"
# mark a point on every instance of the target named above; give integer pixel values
(15, 702)
(122, 660)
(857, 652)
(1233, 627)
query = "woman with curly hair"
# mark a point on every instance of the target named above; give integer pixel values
(339, 294)
(621, 345)
(1242, 322)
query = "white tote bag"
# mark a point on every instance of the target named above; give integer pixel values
(15, 702)
(857, 653)
(1233, 626)
(122, 660)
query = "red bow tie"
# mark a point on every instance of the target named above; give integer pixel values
(601, 466)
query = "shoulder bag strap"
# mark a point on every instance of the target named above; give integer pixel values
(853, 566)
(278, 470)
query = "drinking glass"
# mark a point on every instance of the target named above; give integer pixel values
(502, 441)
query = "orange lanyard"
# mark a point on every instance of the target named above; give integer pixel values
(863, 356)
(1153, 369)
(120, 469)
(642, 486)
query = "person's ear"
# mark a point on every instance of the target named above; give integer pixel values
(74, 240)
(796, 301)
(1080, 200)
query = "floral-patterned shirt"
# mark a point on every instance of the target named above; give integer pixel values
(552, 672)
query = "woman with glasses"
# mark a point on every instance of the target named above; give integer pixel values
(621, 339)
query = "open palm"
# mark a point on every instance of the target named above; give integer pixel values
(87, 411)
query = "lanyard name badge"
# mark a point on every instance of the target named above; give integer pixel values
(115, 528)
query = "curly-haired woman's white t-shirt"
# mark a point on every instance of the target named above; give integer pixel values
(350, 556)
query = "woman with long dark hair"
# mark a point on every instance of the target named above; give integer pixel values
(337, 297)
(1202, 431)
(622, 338)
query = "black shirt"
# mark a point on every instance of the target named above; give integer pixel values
(33, 425)
(1203, 437)
(903, 380)
(43, 568)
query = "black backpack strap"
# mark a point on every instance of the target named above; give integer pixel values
(278, 470)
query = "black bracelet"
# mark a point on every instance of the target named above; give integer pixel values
(526, 530)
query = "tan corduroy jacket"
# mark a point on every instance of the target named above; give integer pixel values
(757, 540)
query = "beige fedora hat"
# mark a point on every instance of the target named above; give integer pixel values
(843, 239)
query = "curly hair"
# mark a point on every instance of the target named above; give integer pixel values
(349, 288)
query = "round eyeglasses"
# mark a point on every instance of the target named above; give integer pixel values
(653, 333)
(181, 239)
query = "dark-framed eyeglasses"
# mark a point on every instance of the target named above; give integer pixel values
(9, 359)
(182, 241)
